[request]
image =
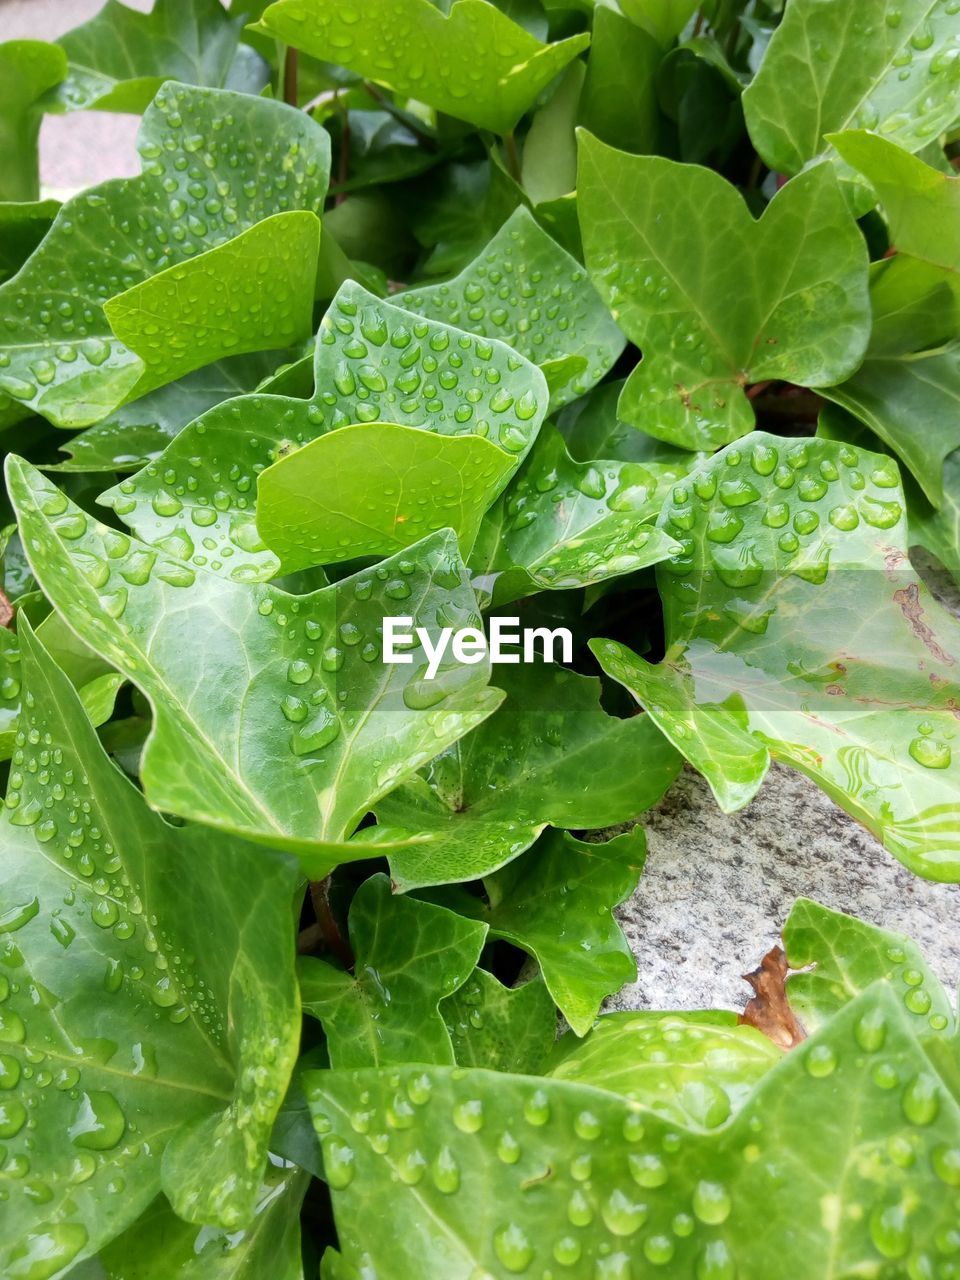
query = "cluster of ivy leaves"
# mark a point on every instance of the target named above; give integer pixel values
(638, 318)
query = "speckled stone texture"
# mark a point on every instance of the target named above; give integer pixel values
(717, 888)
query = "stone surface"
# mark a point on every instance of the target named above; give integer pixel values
(717, 888)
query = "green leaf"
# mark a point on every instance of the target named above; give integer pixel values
(374, 488)
(842, 956)
(150, 1030)
(501, 1028)
(663, 19)
(619, 101)
(527, 291)
(22, 227)
(475, 64)
(78, 335)
(550, 147)
(594, 1183)
(804, 318)
(490, 796)
(119, 59)
(685, 1069)
(593, 431)
(921, 204)
(939, 531)
(373, 363)
(136, 433)
(409, 956)
(28, 69)
(795, 626)
(297, 728)
(160, 1246)
(557, 904)
(912, 402)
(834, 67)
(563, 524)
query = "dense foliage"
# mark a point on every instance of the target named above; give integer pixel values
(637, 319)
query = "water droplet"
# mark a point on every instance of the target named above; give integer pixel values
(889, 1231)
(99, 1123)
(921, 1100)
(513, 1248)
(820, 1061)
(931, 753)
(339, 1163)
(711, 1202)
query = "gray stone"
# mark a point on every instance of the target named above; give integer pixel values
(717, 888)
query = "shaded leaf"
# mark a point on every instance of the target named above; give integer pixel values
(169, 1034)
(501, 1028)
(863, 66)
(75, 335)
(120, 58)
(664, 19)
(550, 755)
(550, 148)
(805, 319)
(372, 489)
(796, 627)
(557, 904)
(409, 956)
(563, 524)
(475, 63)
(279, 721)
(619, 102)
(160, 1246)
(529, 292)
(373, 363)
(22, 227)
(592, 430)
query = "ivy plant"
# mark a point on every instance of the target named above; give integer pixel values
(629, 327)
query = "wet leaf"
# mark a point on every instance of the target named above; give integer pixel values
(669, 282)
(796, 628)
(409, 956)
(501, 1028)
(28, 70)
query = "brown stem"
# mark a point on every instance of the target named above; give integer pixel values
(6, 611)
(290, 77)
(753, 181)
(513, 156)
(758, 389)
(333, 939)
(343, 164)
(698, 25)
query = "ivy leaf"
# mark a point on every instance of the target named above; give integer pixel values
(371, 489)
(529, 292)
(475, 63)
(501, 1028)
(867, 66)
(490, 796)
(28, 70)
(619, 101)
(842, 956)
(409, 956)
(556, 903)
(596, 1183)
(921, 205)
(663, 19)
(22, 227)
(78, 335)
(796, 627)
(169, 1038)
(696, 1070)
(120, 58)
(939, 531)
(373, 363)
(298, 728)
(137, 433)
(549, 170)
(563, 524)
(592, 430)
(161, 1246)
(669, 282)
(911, 401)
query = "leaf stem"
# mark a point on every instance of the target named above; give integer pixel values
(290, 67)
(513, 156)
(333, 939)
(402, 117)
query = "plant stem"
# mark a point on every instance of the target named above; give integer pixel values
(333, 939)
(6, 611)
(402, 117)
(290, 76)
(513, 156)
(698, 25)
